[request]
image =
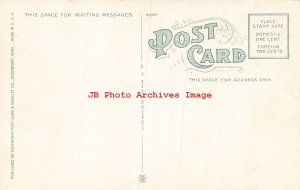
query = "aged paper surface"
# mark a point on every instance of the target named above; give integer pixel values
(153, 95)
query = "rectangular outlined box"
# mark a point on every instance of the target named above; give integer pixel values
(268, 36)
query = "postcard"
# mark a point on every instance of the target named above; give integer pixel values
(150, 95)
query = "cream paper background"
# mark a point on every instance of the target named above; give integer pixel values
(245, 138)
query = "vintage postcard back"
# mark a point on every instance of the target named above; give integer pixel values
(119, 95)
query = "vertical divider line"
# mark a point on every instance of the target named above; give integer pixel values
(141, 38)
(142, 177)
